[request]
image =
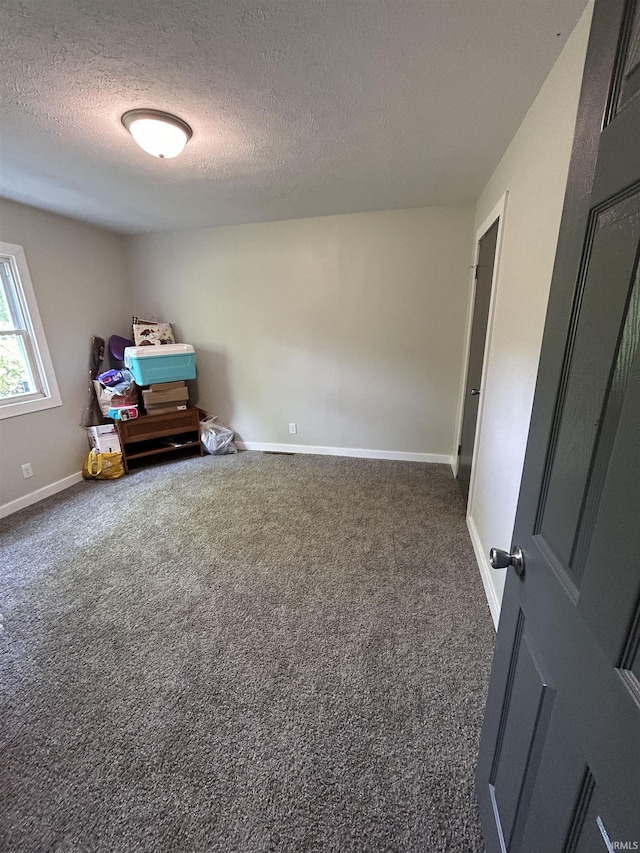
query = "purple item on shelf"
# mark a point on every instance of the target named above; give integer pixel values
(116, 350)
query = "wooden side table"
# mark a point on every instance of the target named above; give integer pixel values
(151, 435)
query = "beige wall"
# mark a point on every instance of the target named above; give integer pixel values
(534, 172)
(79, 278)
(351, 326)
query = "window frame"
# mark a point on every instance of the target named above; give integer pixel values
(34, 341)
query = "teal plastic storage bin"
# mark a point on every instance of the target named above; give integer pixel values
(166, 363)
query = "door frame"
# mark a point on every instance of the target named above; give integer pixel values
(497, 213)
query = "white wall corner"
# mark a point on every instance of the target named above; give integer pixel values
(39, 494)
(487, 574)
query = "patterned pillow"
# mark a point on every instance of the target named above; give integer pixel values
(148, 333)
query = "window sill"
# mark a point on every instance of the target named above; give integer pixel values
(26, 407)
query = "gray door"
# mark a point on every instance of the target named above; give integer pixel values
(482, 298)
(559, 764)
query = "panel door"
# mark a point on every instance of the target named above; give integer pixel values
(559, 765)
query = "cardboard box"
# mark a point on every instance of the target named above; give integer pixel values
(166, 410)
(167, 386)
(176, 395)
(104, 438)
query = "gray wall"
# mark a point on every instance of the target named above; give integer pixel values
(351, 326)
(534, 172)
(80, 281)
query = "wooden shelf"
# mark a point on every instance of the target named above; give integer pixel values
(143, 437)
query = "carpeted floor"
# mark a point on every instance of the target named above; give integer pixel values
(244, 653)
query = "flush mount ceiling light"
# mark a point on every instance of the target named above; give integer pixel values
(160, 134)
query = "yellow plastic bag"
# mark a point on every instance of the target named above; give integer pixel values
(103, 466)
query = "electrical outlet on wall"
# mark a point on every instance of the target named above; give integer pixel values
(293, 429)
(27, 470)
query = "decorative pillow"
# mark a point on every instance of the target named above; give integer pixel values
(150, 333)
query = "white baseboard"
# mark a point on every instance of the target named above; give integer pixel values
(357, 452)
(39, 494)
(490, 591)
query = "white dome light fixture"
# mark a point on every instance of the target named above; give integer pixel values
(160, 134)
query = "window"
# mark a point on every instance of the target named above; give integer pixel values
(27, 381)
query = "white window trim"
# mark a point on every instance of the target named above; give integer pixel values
(51, 394)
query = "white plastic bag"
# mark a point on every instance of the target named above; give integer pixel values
(217, 439)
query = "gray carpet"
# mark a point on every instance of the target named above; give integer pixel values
(245, 653)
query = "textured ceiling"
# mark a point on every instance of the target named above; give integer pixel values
(298, 107)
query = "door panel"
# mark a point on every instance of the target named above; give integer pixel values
(482, 299)
(524, 719)
(551, 816)
(590, 833)
(629, 84)
(609, 600)
(600, 309)
(559, 764)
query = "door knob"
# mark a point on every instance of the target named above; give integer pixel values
(500, 559)
(475, 392)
